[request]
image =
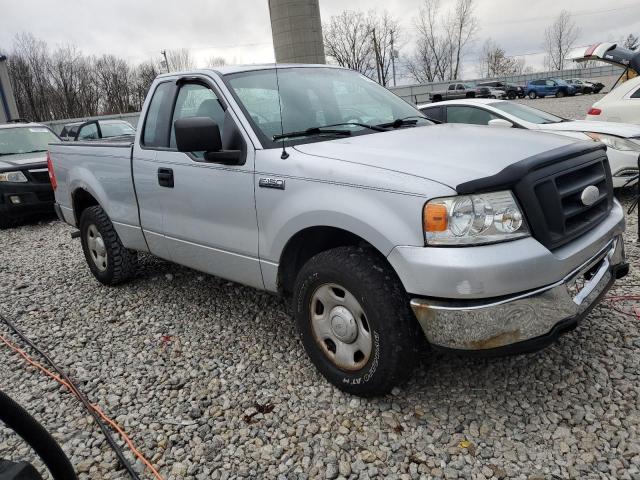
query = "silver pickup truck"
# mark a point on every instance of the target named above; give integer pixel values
(386, 232)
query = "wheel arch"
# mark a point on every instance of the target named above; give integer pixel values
(81, 199)
(310, 241)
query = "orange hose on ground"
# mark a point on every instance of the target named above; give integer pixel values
(95, 407)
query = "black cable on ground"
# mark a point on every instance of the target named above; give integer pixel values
(21, 422)
(105, 430)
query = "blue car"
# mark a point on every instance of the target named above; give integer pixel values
(550, 86)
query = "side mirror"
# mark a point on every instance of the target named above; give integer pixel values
(197, 134)
(500, 122)
(202, 134)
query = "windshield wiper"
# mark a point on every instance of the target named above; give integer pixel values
(402, 122)
(328, 129)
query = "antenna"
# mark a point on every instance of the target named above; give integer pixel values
(284, 155)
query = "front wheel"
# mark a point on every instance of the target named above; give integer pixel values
(355, 322)
(110, 262)
(560, 94)
(533, 95)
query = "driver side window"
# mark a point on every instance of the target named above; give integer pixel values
(196, 100)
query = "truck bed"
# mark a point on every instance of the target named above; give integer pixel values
(105, 164)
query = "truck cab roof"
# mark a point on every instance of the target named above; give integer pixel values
(228, 70)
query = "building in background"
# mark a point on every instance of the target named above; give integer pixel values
(8, 107)
(297, 31)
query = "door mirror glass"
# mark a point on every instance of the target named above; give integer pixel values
(500, 122)
(197, 134)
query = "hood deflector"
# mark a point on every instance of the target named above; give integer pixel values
(509, 176)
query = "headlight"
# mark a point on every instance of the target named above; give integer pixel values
(617, 143)
(473, 219)
(16, 177)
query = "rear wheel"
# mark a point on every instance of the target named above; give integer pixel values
(355, 322)
(110, 262)
(533, 95)
(511, 95)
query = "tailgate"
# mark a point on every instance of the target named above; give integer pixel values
(609, 53)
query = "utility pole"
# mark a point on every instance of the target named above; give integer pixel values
(393, 60)
(166, 62)
(375, 49)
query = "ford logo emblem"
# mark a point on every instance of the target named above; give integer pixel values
(590, 195)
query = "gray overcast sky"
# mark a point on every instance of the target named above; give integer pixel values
(240, 30)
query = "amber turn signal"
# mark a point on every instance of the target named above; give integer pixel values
(435, 217)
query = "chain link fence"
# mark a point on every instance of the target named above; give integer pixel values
(606, 74)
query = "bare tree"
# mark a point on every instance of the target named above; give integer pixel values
(494, 61)
(179, 60)
(216, 61)
(30, 64)
(347, 40)
(114, 80)
(463, 26)
(430, 61)
(64, 83)
(443, 38)
(143, 76)
(559, 39)
(631, 42)
(385, 33)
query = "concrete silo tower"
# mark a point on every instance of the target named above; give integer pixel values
(297, 31)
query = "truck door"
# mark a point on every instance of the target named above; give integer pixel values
(209, 213)
(152, 136)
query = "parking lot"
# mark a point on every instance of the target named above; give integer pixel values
(567, 107)
(210, 380)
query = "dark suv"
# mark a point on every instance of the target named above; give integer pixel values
(511, 90)
(25, 187)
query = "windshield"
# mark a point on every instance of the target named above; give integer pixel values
(528, 114)
(116, 129)
(25, 139)
(315, 97)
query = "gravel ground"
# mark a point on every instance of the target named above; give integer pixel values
(184, 362)
(568, 107)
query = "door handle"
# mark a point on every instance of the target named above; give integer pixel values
(165, 177)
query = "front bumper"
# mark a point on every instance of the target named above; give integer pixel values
(526, 321)
(20, 199)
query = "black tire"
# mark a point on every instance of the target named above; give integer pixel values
(511, 95)
(396, 338)
(560, 94)
(533, 95)
(437, 98)
(120, 263)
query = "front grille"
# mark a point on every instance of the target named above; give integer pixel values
(551, 198)
(39, 176)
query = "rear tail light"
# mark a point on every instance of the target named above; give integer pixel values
(52, 174)
(594, 111)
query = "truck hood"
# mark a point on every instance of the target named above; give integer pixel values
(21, 161)
(624, 130)
(450, 154)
